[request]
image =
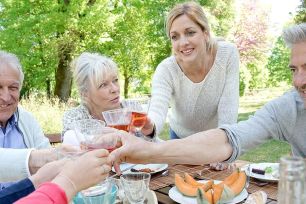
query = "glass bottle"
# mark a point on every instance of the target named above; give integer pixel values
(291, 185)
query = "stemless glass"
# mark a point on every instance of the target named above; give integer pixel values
(135, 186)
(92, 134)
(104, 193)
(139, 108)
(291, 185)
(118, 118)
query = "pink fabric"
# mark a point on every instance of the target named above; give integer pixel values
(47, 193)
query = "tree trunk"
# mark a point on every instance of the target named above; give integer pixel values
(63, 75)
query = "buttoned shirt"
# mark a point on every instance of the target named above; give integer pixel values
(11, 137)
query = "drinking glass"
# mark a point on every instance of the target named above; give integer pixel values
(118, 118)
(291, 185)
(103, 193)
(92, 134)
(139, 108)
(135, 186)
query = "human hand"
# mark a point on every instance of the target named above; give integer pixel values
(219, 166)
(148, 127)
(85, 171)
(48, 172)
(40, 157)
(129, 149)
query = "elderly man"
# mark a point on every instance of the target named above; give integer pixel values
(283, 118)
(19, 130)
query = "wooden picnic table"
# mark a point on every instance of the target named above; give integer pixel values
(162, 184)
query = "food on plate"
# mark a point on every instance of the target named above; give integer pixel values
(146, 170)
(225, 191)
(231, 178)
(204, 197)
(239, 184)
(269, 170)
(205, 186)
(187, 188)
(258, 171)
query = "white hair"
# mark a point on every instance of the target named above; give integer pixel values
(13, 62)
(295, 34)
(91, 69)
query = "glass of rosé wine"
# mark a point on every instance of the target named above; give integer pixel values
(139, 107)
(118, 118)
(92, 134)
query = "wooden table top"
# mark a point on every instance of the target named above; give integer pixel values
(162, 184)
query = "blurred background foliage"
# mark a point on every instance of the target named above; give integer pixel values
(46, 35)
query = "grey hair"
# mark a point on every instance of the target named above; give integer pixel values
(295, 34)
(13, 62)
(91, 69)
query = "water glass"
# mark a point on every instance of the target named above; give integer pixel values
(135, 186)
(104, 193)
(291, 185)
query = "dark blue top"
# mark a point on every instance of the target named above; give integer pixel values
(16, 191)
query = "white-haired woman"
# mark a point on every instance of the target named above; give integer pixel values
(96, 77)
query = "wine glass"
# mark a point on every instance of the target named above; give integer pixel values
(135, 186)
(118, 118)
(92, 134)
(139, 108)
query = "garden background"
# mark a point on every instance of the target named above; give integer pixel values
(46, 35)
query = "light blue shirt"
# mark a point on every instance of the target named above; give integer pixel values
(11, 137)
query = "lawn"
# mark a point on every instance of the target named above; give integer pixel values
(49, 113)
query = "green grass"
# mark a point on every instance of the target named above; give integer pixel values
(49, 113)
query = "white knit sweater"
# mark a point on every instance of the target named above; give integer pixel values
(199, 106)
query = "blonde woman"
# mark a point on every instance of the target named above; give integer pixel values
(201, 78)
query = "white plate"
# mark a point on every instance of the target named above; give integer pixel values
(270, 177)
(151, 197)
(154, 167)
(175, 195)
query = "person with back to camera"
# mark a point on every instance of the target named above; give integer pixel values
(201, 78)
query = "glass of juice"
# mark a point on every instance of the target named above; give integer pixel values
(92, 134)
(139, 107)
(118, 118)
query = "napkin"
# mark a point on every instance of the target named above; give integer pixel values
(259, 197)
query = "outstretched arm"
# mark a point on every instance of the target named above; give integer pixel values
(200, 148)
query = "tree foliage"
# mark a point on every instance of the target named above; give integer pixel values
(46, 35)
(250, 34)
(278, 64)
(301, 13)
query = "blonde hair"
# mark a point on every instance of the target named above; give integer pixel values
(13, 61)
(195, 12)
(90, 69)
(295, 34)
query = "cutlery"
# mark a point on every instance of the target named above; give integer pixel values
(124, 170)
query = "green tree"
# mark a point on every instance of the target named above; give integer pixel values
(250, 34)
(301, 13)
(278, 63)
(46, 34)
